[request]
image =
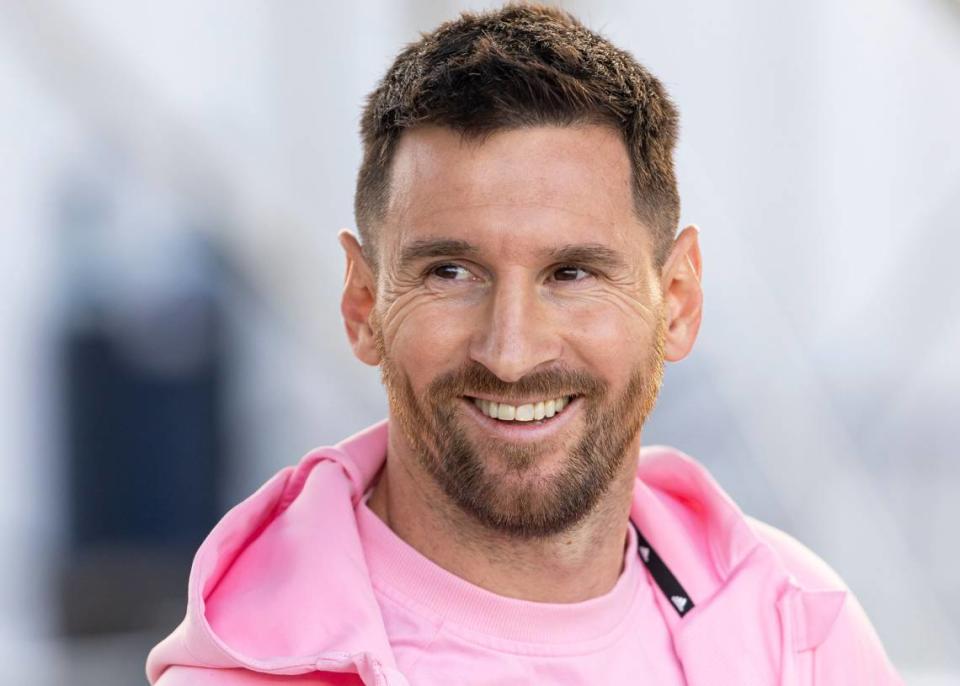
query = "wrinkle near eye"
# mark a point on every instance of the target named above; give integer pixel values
(407, 290)
(402, 295)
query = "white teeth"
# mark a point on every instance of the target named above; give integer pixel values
(522, 413)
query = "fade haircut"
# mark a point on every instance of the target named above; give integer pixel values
(519, 66)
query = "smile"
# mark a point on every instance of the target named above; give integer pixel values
(527, 412)
(523, 420)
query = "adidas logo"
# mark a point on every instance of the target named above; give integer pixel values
(645, 553)
(679, 601)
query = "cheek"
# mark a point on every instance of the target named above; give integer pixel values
(609, 327)
(609, 340)
(428, 340)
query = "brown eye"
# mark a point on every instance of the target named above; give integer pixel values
(570, 274)
(450, 272)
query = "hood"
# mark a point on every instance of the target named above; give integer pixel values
(265, 594)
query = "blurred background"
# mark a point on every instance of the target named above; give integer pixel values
(173, 176)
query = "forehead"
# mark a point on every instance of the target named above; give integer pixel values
(518, 186)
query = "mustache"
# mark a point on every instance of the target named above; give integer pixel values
(475, 379)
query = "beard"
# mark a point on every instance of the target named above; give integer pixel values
(519, 499)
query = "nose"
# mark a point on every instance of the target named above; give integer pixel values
(516, 332)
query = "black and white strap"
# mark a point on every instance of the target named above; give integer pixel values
(665, 579)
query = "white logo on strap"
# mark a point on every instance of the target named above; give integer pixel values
(679, 601)
(645, 553)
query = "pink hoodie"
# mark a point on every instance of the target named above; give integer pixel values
(269, 603)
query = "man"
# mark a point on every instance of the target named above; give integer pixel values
(520, 284)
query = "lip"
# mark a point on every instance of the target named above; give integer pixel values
(523, 431)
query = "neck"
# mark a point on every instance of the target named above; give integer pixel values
(577, 564)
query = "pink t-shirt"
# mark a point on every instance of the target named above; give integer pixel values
(445, 630)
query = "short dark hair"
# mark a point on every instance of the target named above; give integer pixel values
(517, 66)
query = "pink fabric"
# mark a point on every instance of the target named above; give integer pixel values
(281, 591)
(442, 627)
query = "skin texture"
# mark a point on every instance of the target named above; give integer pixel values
(510, 317)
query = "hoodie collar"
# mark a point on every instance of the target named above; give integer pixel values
(694, 526)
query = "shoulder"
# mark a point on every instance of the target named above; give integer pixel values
(851, 650)
(806, 566)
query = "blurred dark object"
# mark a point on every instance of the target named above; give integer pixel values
(142, 377)
(143, 439)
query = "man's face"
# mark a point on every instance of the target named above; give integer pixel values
(513, 271)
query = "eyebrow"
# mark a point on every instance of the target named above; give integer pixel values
(425, 248)
(595, 254)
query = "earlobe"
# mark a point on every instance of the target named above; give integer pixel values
(683, 296)
(358, 301)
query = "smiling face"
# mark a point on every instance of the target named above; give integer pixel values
(517, 318)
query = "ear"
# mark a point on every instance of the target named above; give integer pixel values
(682, 295)
(357, 302)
